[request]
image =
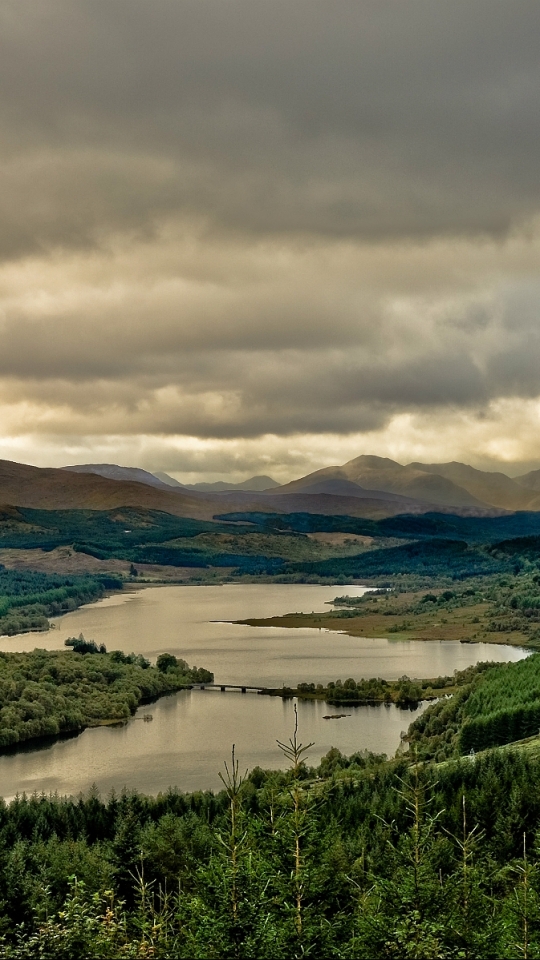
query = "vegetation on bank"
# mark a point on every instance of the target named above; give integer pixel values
(500, 705)
(496, 609)
(29, 598)
(47, 693)
(404, 692)
(357, 858)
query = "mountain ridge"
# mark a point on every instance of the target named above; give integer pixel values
(257, 484)
(368, 486)
(452, 484)
(113, 471)
(380, 473)
(494, 487)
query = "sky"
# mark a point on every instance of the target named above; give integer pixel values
(263, 236)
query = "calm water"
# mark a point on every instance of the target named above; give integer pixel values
(192, 732)
(188, 740)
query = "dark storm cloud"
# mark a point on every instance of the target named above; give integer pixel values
(361, 119)
(212, 361)
(237, 218)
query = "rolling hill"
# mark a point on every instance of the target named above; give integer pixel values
(113, 472)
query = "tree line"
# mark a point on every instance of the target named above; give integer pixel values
(357, 858)
(46, 693)
(28, 598)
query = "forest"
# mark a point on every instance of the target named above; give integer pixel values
(500, 705)
(521, 524)
(28, 598)
(48, 693)
(356, 858)
(283, 545)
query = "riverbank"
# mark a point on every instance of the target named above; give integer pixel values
(403, 693)
(44, 693)
(468, 614)
(192, 731)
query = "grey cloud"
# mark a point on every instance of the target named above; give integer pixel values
(367, 119)
(252, 394)
(212, 368)
(233, 219)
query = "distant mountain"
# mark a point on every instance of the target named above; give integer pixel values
(387, 489)
(494, 488)
(167, 480)
(346, 488)
(59, 489)
(454, 485)
(530, 480)
(113, 472)
(423, 485)
(259, 484)
(375, 504)
(382, 474)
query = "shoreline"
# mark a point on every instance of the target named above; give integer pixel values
(134, 585)
(376, 626)
(39, 743)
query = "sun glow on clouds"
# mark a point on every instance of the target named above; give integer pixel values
(502, 439)
(241, 249)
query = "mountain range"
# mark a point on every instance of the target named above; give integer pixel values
(164, 481)
(368, 486)
(446, 484)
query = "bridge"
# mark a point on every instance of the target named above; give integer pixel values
(223, 687)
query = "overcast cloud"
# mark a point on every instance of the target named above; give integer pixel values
(246, 236)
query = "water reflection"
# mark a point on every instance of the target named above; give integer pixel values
(189, 622)
(189, 738)
(192, 733)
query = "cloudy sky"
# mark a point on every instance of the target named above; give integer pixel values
(262, 236)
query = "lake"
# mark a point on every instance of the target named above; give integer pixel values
(192, 732)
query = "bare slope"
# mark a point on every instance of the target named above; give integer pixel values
(164, 482)
(167, 480)
(56, 489)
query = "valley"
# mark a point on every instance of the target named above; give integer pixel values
(399, 633)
